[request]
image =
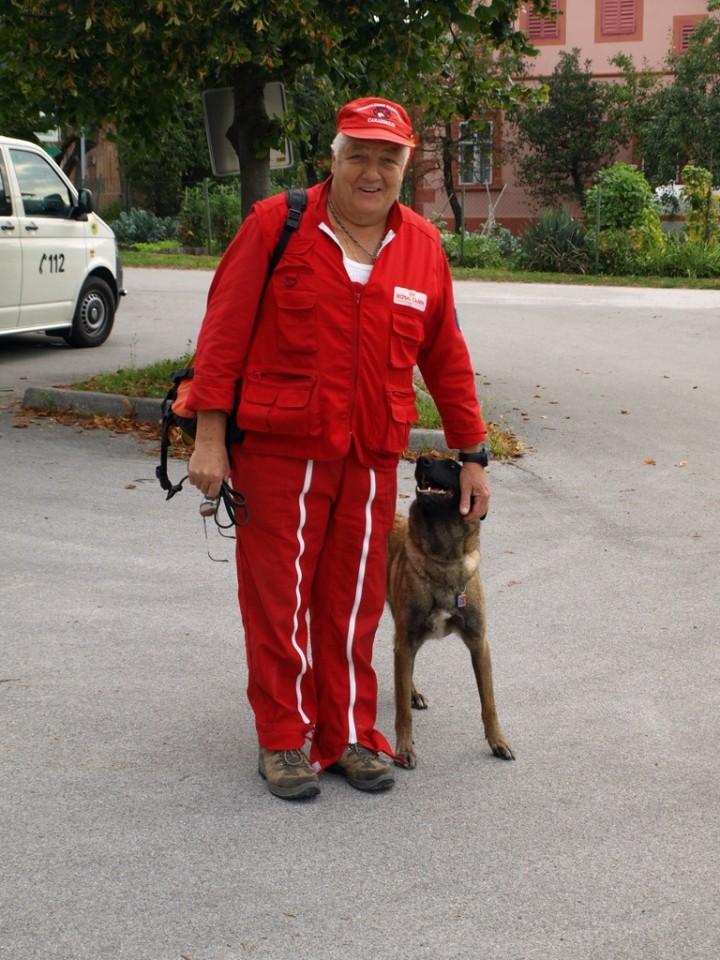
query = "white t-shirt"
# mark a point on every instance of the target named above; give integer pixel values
(358, 272)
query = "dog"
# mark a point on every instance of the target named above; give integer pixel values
(433, 590)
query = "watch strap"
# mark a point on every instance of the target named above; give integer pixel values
(480, 457)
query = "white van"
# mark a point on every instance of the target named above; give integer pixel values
(59, 267)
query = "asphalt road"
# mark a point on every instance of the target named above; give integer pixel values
(134, 825)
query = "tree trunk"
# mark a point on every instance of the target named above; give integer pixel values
(252, 133)
(448, 145)
(307, 155)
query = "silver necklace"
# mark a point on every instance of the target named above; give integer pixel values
(360, 246)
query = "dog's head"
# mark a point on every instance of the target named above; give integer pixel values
(438, 483)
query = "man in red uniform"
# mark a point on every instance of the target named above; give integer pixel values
(361, 295)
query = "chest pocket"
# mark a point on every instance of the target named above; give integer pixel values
(406, 336)
(296, 309)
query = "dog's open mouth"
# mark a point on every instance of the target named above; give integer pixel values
(425, 488)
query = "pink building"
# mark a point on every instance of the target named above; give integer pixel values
(646, 30)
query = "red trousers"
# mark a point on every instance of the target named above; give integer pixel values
(311, 566)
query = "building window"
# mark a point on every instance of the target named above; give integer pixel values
(683, 28)
(618, 19)
(544, 30)
(475, 155)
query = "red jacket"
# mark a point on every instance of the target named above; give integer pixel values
(329, 360)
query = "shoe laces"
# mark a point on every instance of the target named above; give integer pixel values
(292, 758)
(366, 757)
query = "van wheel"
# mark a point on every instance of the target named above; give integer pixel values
(94, 315)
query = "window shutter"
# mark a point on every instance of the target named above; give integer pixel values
(542, 28)
(686, 31)
(619, 17)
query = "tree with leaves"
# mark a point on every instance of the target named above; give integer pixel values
(680, 123)
(127, 64)
(559, 146)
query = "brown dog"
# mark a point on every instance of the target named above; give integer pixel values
(434, 589)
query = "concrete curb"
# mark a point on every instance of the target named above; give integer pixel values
(89, 403)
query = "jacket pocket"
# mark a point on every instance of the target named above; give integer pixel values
(402, 414)
(406, 336)
(280, 402)
(296, 308)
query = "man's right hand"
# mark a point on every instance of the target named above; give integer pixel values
(209, 464)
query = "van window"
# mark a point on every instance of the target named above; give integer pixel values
(5, 202)
(44, 194)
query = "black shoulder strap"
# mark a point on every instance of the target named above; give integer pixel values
(297, 201)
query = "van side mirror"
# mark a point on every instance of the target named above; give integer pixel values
(84, 204)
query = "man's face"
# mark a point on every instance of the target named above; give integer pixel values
(367, 175)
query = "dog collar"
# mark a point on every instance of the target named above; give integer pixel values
(480, 457)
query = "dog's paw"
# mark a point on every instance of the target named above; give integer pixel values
(407, 755)
(502, 749)
(419, 700)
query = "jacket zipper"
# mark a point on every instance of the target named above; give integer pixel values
(356, 359)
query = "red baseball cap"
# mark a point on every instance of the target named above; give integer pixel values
(372, 118)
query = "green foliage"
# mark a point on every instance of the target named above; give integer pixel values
(496, 249)
(225, 217)
(141, 226)
(428, 414)
(556, 243)
(558, 147)
(112, 211)
(623, 193)
(613, 253)
(683, 257)
(621, 205)
(150, 381)
(701, 219)
(156, 169)
(621, 255)
(129, 65)
(679, 121)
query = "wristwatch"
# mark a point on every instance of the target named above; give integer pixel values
(480, 457)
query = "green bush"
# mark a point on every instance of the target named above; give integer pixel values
(224, 202)
(111, 211)
(556, 243)
(702, 216)
(141, 226)
(622, 207)
(683, 257)
(614, 255)
(498, 248)
(624, 195)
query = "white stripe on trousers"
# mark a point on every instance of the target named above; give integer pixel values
(298, 569)
(352, 731)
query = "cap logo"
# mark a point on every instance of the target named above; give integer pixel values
(381, 114)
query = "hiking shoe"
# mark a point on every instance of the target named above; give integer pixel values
(288, 774)
(364, 769)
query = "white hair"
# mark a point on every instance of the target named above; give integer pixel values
(342, 140)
